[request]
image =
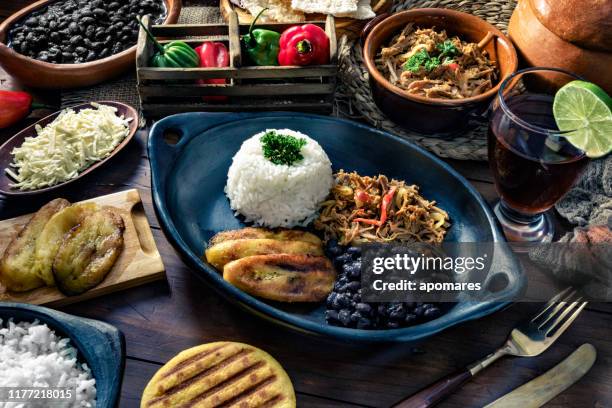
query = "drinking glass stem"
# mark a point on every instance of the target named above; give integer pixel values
(517, 216)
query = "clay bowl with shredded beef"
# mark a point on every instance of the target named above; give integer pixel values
(422, 94)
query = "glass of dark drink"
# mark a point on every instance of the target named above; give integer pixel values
(532, 163)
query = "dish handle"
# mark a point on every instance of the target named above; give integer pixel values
(507, 281)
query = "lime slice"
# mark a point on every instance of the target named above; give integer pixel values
(586, 109)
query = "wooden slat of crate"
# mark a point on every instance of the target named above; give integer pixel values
(242, 73)
(188, 30)
(263, 90)
(164, 109)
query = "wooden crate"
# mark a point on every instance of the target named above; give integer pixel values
(165, 91)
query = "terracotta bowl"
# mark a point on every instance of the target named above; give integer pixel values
(433, 115)
(540, 47)
(38, 74)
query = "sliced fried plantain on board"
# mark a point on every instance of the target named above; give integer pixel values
(88, 252)
(17, 272)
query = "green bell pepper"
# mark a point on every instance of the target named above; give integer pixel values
(262, 46)
(175, 54)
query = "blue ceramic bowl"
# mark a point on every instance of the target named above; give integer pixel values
(188, 180)
(100, 345)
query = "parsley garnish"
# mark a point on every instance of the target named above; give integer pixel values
(447, 49)
(282, 149)
(422, 59)
(414, 63)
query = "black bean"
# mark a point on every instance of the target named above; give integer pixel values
(343, 300)
(81, 51)
(99, 13)
(345, 317)
(410, 319)
(342, 259)
(432, 313)
(74, 27)
(91, 56)
(353, 287)
(330, 299)
(114, 6)
(31, 22)
(364, 308)
(85, 21)
(419, 311)
(76, 39)
(397, 312)
(354, 251)
(331, 316)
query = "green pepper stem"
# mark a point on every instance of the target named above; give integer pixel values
(304, 47)
(150, 35)
(36, 105)
(254, 21)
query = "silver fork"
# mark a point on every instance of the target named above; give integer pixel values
(528, 339)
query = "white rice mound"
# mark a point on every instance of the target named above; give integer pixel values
(32, 355)
(273, 195)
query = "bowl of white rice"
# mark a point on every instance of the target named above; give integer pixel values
(271, 190)
(77, 362)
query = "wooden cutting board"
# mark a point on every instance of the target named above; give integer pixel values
(349, 26)
(139, 262)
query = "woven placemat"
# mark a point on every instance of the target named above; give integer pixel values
(468, 145)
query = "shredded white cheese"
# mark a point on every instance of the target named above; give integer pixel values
(67, 146)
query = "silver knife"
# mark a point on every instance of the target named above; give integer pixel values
(542, 389)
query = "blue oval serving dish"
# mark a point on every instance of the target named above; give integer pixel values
(100, 345)
(188, 179)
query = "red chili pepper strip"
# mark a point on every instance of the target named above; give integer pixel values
(306, 44)
(384, 207)
(213, 55)
(14, 106)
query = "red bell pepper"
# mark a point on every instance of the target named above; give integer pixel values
(15, 106)
(213, 55)
(304, 45)
(384, 208)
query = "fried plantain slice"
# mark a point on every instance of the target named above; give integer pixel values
(89, 251)
(220, 254)
(17, 264)
(52, 235)
(279, 234)
(283, 277)
(220, 374)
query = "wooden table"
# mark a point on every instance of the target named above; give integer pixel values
(163, 318)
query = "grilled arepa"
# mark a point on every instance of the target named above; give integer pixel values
(17, 264)
(279, 234)
(52, 235)
(222, 374)
(283, 277)
(89, 251)
(224, 252)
